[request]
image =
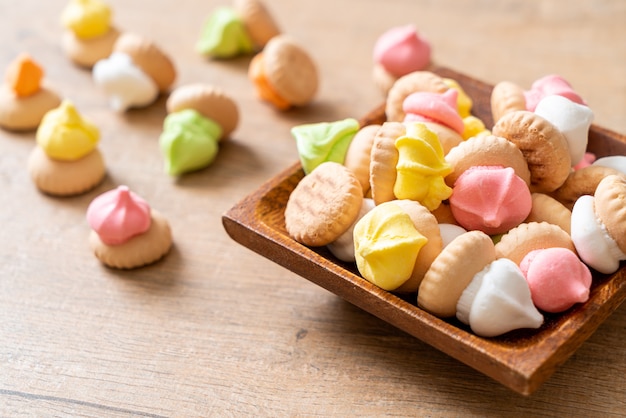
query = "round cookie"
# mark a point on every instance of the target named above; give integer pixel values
(452, 271)
(86, 52)
(290, 70)
(486, 150)
(610, 206)
(527, 237)
(543, 145)
(259, 23)
(581, 182)
(25, 113)
(407, 84)
(149, 57)
(383, 160)
(210, 101)
(323, 205)
(506, 97)
(140, 250)
(548, 209)
(359, 152)
(427, 225)
(65, 178)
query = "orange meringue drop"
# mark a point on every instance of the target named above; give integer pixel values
(24, 76)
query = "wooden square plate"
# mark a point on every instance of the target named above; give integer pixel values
(521, 360)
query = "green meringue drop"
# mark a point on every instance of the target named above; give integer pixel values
(324, 141)
(189, 141)
(224, 35)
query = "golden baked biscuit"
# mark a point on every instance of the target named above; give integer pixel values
(543, 145)
(384, 158)
(452, 271)
(527, 237)
(407, 84)
(506, 97)
(547, 209)
(324, 204)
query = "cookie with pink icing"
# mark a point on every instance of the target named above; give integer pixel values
(557, 278)
(126, 232)
(492, 199)
(397, 52)
(434, 107)
(547, 86)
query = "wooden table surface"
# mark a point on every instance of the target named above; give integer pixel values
(215, 329)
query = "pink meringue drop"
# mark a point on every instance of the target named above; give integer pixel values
(548, 86)
(492, 199)
(557, 278)
(118, 215)
(401, 50)
(440, 108)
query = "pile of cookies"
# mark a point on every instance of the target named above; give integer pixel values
(493, 227)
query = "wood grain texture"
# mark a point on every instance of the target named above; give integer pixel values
(214, 329)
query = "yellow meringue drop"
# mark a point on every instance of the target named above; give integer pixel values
(386, 245)
(86, 18)
(65, 135)
(421, 167)
(474, 127)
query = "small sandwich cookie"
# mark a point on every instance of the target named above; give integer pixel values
(408, 84)
(543, 145)
(258, 21)
(284, 74)
(323, 205)
(358, 155)
(506, 97)
(598, 225)
(126, 232)
(547, 209)
(24, 97)
(89, 35)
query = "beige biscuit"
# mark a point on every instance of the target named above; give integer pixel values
(382, 78)
(324, 204)
(453, 270)
(506, 97)
(25, 113)
(484, 150)
(426, 224)
(527, 237)
(448, 138)
(209, 101)
(383, 161)
(543, 145)
(407, 84)
(87, 52)
(149, 57)
(290, 70)
(547, 209)
(138, 251)
(259, 23)
(359, 152)
(582, 182)
(610, 206)
(65, 178)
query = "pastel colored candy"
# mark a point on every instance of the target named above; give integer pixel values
(118, 215)
(498, 300)
(548, 86)
(401, 50)
(572, 119)
(593, 243)
(189, 141)
(86, 18)
(557, 278)
(324, 141)
(449, 232)
(65, 135)
(224, 35)
(383, 236)
(421, 167)
(125, 84)
(441, 108)
(492, 199)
